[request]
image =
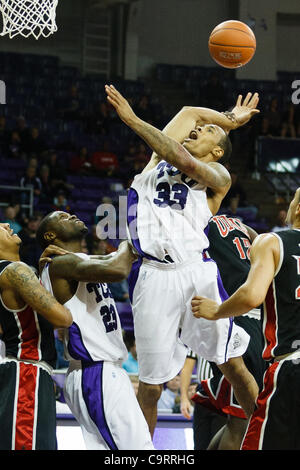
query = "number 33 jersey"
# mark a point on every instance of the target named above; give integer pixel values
(95, 334)
(167, 214)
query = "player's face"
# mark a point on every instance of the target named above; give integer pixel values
(293, 208)
(203, 140)
(67, 226)
(8, 239)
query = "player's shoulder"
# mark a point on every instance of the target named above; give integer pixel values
(222, 170)
(15, 273)
(265, 241)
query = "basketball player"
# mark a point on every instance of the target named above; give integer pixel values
(28, 314)
(229, 246)
(97, 389)
(168, 210)
(274, 281)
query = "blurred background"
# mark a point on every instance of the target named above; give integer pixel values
(63, 147)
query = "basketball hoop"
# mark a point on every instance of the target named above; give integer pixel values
(28, 17)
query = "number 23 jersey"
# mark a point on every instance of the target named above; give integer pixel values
(167, 214)
(95, 334)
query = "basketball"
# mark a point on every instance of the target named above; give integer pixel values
(232, 44)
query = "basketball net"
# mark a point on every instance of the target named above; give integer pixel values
(28, 18)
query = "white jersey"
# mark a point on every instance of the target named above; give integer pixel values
(95, 334)
(167, 214)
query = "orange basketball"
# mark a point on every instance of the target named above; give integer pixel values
(232, 44)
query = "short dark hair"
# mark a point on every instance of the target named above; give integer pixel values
(42, 229)
(225, 144)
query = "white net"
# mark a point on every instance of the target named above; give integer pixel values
(28, 17)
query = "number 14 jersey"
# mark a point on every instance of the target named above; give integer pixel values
(167, 214)
(95, 334)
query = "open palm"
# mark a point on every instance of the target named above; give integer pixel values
(244, 110)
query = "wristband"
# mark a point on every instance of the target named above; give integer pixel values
(230, 116)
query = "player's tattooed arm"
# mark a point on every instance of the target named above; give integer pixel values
(19, 278)
(169, 150)
(111, 269)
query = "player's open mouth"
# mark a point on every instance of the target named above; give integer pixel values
(194, 135)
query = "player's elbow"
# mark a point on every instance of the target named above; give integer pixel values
(252, 297)
(62, 318)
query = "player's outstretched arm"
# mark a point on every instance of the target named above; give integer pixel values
(19, 278)
(214, 176)
(112, 269)
(264, 261)
(191, 116)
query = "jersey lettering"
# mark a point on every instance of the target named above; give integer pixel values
(176, 200)
(107, 312)
(172, 171)
(105, 292)
(228, 224)
(109, 317)
(243, 248)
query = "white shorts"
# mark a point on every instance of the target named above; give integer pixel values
(161, 304)
(102, 399)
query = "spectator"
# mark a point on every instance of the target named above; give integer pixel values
(170, 396)
(22, 129)
(10, 218)
(274, 118)
(4, 134)
(57, 173)
(34, 144)
(30, 180)
(47, 191)
(105, 161)
(14, 146)
(281, 222)
(61, 363)
(70, 107)
(101, 247)
(119, 291)
(131, 364)
(264, 129)
(100, 120)
(144, 109)
(289, 122)
(60, 202)
(30, 250)
(81, 163)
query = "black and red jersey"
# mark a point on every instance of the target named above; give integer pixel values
(229, 247)
(281, 325)
(26, 334)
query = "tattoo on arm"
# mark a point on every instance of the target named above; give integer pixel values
(166, 147)
(213, 175)
(29, 288)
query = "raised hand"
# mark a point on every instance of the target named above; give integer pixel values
(120, 104)
(244, 110)
(51, 250)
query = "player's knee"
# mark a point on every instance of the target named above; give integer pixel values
(149, 394)
(234, 368)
